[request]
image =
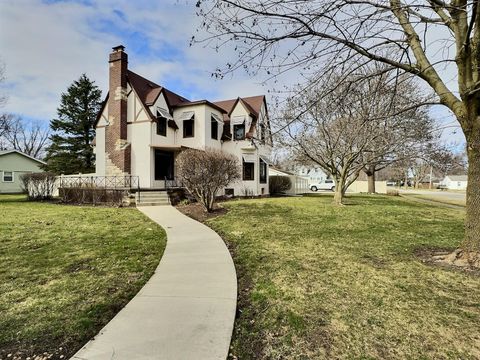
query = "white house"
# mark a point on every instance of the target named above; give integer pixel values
(455, 182)
(143, 126)
(315, 174)
(299, 183)
(14, 164)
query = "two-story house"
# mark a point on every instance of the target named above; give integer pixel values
(315, 173)
(143, 126)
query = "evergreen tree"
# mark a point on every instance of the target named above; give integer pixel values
(71, 149)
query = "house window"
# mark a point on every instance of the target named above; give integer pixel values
(229, 192)
(239, 132)
(263, 172)
(161, 125)
(248, 171)
(8, 176)
(214, 128)
(262, 132)
(188, 128)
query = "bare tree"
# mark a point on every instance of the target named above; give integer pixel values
(431, 39)
(395, 105)
(354, 123)
(31, 139)
(332, 130)
(205, 173)
(5, 119)
(435, 158)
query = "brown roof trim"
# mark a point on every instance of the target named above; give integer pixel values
(251, 103)
(201, 102)
(172, 124)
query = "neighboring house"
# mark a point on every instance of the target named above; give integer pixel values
(299, 183)
(455, 182)
(315, 174)
(13, 164)
(143, 126)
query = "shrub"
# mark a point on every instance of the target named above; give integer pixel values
(92, 195)
(204, 173)
(279, 184)
(38, 186)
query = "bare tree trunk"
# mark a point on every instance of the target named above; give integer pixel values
(371, 179)
(472, 221)
(339, 191)
(338, 197)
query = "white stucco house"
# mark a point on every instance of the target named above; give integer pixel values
(143, 126)
(455, 182)
(315, 174)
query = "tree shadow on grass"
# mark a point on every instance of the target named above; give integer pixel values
(8, 198)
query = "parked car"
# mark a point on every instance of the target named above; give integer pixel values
(391, 183)
(324, 185)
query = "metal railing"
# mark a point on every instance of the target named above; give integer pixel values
(172, 184)
(122, 182)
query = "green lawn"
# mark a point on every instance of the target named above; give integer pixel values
(437, 199)
(65, 271)
(322, 282)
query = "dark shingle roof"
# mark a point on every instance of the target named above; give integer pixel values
(252, 103)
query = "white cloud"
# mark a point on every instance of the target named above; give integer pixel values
(47, 46)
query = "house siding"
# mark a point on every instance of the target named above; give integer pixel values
(142, 139)
(19, 165)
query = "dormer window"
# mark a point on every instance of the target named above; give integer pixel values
(161, 124)
(239, 132)
(262, 132)
(188, 120)
(238, 127)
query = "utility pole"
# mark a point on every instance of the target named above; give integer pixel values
(431, 174)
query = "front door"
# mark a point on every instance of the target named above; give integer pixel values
(164, 165)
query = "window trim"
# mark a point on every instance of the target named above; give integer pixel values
(250, 164)
(3, 176)
(193, 129)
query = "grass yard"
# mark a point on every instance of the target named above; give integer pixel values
(65, 271)
(439, 200)
(320, 282)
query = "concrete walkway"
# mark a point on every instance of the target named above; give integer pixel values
(186, 310)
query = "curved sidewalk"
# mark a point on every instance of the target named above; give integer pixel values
(187, 308)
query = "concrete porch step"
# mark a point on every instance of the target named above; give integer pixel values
(151, 198)
(155, 203)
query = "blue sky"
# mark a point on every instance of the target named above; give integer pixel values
(46, 44)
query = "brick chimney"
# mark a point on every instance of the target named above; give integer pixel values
(117, 149)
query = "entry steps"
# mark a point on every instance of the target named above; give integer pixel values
(152, 198)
